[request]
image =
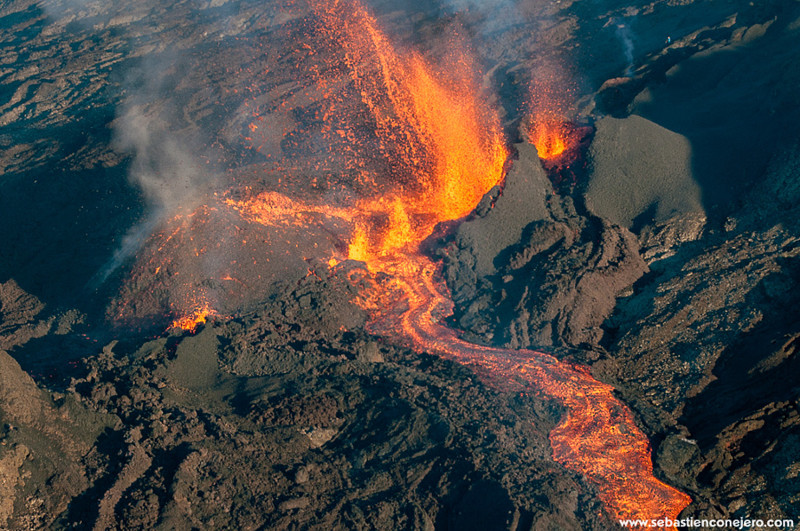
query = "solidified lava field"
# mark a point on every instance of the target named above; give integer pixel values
(378, 264)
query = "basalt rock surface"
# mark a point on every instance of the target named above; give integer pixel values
(712, 360)
(555, 283)
(274, 420)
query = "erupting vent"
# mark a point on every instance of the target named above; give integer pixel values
(550, 139)
(193, 320)
(433, 123)
(446, 150)
(546, 124)
(437, 128)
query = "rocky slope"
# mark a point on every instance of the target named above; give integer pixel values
(273, 420)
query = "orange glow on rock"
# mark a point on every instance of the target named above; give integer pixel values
(193, 320)
(549, 138)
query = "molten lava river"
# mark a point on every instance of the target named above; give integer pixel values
(445, 144)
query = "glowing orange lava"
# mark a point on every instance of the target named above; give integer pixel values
(547, 109)
(274, 209)
(549, 138)
(447, 150)
(464, 157)
(193, 320)
(449, 143)
(598, 438)
(437, 128)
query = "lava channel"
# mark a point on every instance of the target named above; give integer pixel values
(446, 146)
(436, 126)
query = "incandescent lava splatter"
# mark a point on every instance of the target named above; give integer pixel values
(549, 138)
(194, 319)
(546, 123)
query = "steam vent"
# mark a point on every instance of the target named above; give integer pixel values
(448, 265)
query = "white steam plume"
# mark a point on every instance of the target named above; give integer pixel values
(624, 35)
(166, 163)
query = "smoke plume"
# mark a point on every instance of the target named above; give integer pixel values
(623, 33)
(165, 161)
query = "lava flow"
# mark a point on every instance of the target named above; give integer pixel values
(448, 142)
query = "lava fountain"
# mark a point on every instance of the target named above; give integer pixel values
(435, 126)
(546, 124)
(549, 138)
(443, 149)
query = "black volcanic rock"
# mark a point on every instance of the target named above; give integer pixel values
(312, 434)
(526, 191)
(712, 353)
(534, 272)
(44, 440)
(641, 173)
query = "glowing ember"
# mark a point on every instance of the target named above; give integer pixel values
(193, 320)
